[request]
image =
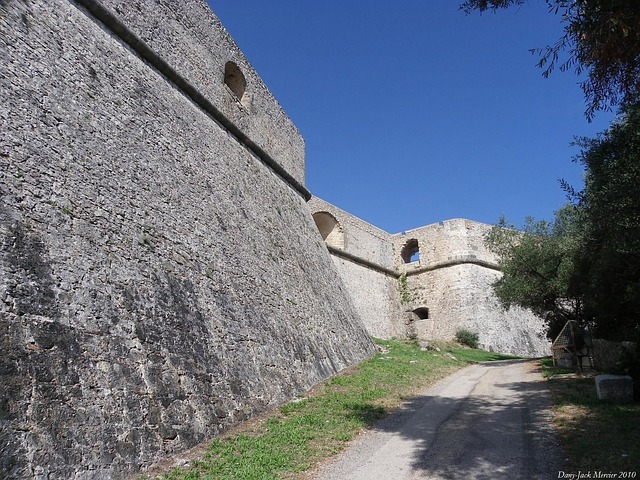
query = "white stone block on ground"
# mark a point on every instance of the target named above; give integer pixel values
(614, 388)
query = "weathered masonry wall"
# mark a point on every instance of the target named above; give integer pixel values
(363, 255)
(160, 275)
(451, 278)
(461, 296)
(196, 47)
(445, 242)
(426, 283)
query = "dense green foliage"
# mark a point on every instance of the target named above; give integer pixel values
(609, 269)
(539, 266)
(585, 265)
(601, 37)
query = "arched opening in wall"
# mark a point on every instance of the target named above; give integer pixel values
(416, 327)
(330, 229)
(410, 252)
(234, 79)
(422, 313)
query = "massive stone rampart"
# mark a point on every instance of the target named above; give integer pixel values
(189, 44)
(426, 283)
(160, 275)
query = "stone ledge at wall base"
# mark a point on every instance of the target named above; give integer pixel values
(614, 388)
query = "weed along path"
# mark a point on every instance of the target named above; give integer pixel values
(485, 422)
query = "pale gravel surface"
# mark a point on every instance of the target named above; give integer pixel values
(486, 422)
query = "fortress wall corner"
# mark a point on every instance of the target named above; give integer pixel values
(159, 281)
(452, 279)
(446, 241)
(461, 297)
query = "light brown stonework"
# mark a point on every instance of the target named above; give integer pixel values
(429, 282)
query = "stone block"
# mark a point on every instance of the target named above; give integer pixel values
(565, 362)
(614, 388)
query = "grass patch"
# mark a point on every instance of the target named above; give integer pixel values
(300, 434)
(549, 371)
(596, 436)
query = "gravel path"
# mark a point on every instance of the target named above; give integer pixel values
(486, 422)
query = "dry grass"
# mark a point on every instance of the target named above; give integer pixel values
(596, 436)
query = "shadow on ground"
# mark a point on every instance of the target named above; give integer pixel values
(501, 430)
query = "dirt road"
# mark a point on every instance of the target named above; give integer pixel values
(486, 422)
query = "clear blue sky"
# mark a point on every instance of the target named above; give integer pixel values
(413, 112)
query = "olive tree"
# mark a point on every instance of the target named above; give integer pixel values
(601, 38)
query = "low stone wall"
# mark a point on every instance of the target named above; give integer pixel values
(609, 357)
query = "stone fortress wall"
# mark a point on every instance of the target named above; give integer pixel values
(161, 277)
(452, 278)
(426, 283)
(363, 255)
(161, 274)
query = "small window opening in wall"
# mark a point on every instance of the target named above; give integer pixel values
(410, 252)
(330, 229)
(234, 79)
(422, 313)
